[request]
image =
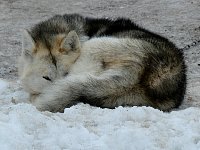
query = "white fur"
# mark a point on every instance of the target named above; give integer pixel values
(27, 42)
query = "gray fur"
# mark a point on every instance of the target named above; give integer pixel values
(116, 63)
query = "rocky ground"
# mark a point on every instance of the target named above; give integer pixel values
(178, 20)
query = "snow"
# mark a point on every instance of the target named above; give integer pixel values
(3, 84)
(85, 127)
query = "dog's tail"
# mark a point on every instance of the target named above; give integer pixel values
(164, 77)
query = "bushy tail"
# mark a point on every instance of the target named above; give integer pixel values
(164, 78)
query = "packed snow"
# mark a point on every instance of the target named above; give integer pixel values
(83, 127)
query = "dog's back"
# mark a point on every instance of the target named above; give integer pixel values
(164, 75)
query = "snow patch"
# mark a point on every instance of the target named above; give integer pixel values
(3, 85)
(85, 127)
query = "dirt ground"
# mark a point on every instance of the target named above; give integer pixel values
(178, 20)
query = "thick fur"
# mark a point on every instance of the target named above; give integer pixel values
(107, 63)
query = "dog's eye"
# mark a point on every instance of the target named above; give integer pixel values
(47, 78)
(65, 74)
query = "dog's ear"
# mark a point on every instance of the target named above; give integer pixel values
(70, 42)
(28, 44)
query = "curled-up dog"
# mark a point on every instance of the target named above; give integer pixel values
(106, 63)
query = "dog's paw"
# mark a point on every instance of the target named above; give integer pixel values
(44, 104)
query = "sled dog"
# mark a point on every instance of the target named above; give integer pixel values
(106, 63)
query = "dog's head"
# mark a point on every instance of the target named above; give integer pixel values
(42, 62)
